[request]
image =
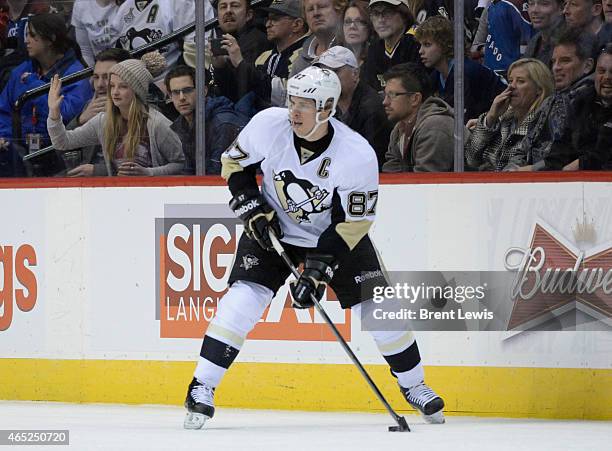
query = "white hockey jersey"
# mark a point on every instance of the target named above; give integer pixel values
(340, 185)
(140, 22)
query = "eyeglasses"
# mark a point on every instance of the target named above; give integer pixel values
(359, 23)
(382, 13)
(184, 91)
(394, 95)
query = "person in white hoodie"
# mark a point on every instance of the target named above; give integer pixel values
(93, 26)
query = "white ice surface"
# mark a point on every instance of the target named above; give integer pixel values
(119, 427)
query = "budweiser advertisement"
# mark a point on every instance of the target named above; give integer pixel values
(549, 284)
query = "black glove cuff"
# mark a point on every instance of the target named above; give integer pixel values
(324, 264)
(246, 203)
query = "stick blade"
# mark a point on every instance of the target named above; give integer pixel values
(401, 427)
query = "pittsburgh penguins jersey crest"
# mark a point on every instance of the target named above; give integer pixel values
(299, 197)
(339, 185)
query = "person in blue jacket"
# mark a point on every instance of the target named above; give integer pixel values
(50, 52)
(508, 33)
(224, 119)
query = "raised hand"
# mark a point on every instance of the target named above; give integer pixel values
(233, 49)
(217, 61)
(55, 98)
(499, 106)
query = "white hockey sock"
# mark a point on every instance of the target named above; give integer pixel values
(237, 314)
(411, 377)
(209, 373)
(400, 350)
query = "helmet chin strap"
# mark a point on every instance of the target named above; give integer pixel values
(318, 123)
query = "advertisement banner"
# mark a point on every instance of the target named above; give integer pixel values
(195, 258)
(137, 272)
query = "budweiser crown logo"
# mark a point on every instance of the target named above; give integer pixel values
(584, 231)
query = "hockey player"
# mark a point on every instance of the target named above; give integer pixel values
(319, 194)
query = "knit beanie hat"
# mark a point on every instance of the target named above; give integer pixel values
(136, 75)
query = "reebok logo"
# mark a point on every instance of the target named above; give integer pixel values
(247, 207)
(368, 275)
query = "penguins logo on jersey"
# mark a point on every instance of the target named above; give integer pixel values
(248, 261)
(134, 39)
(298, 197)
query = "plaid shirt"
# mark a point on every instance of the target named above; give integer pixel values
(490, 148)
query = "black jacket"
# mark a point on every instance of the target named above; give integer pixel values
(541, 44)
(367, 117)
(379, 60)
(589, 138)
(252, 43)
(257, 76)
(480, 86)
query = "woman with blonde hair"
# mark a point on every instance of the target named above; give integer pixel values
(136, 139)
(497, 134)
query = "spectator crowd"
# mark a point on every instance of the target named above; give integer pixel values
(537, 81)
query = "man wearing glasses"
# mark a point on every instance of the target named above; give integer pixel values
(422, 139)
(391, 20)
(222, 116)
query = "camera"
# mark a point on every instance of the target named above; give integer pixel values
(215, 45)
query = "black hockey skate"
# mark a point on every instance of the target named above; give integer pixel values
(199, 403)
(426, 401)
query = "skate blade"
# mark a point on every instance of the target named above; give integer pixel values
(435, 418)
(195, 420)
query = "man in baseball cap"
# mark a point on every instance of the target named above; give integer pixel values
(360, 107)
(391, 20)
(267, 76)
(391, 2)
(336, 57)
(291, 8)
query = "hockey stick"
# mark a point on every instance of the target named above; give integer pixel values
(402, 426)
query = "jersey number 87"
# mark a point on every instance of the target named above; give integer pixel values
(358, 203)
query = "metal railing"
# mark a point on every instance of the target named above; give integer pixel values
(210, 24)
(152, 46)
(87, 72)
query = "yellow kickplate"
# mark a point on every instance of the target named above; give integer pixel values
(483, 391)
